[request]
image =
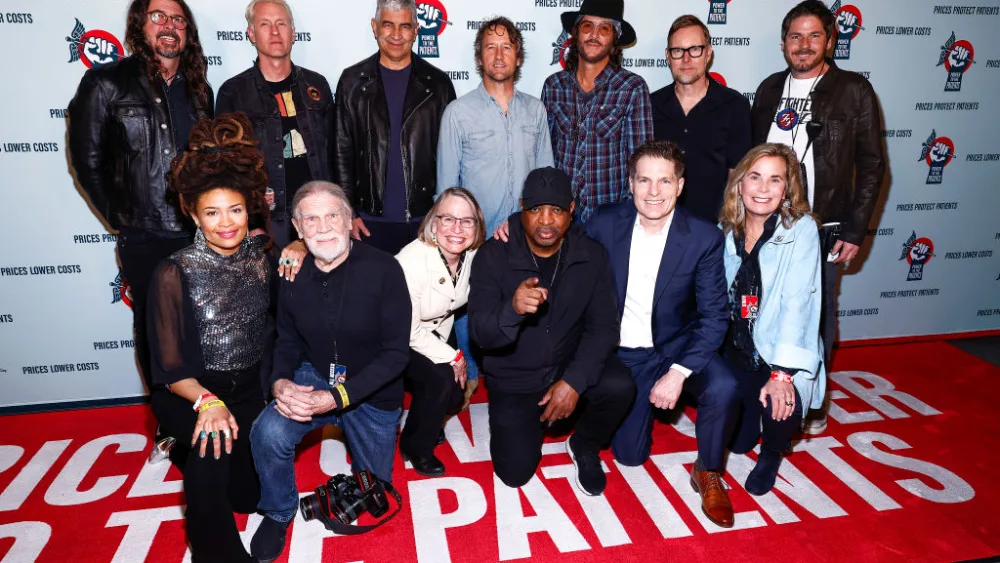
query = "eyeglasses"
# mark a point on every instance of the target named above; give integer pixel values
(603, 28)
(160, 18)
(447, 221)
(695, 51)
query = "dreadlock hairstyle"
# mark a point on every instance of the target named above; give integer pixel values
(192, 57)
(223, 154)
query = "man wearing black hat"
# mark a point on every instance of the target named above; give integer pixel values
(599, 113)
(542, 307)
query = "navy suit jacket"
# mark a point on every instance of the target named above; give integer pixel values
(690, 300)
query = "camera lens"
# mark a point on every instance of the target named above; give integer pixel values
(309, 506)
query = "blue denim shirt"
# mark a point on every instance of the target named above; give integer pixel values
(787, 328)
(490, 153)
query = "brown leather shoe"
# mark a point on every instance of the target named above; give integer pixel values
(470, 389)
(714, 499)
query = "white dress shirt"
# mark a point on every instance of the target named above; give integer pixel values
(645, 255)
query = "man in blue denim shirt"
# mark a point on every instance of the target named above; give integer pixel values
(490, 139)
(493, 136)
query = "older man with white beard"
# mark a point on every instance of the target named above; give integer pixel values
(343, 342)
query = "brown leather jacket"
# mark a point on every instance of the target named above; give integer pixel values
(848, 153)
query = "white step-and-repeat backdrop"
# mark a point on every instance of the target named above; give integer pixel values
(65, 323)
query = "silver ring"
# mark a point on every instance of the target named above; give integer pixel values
(788, 404)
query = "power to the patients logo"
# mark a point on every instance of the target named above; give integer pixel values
(431, 20)
(937, 152)
(121, 291)
(560, 49)
(957, 57)
(848, 27)
(95, 47)
(917, 252)
(717, 11)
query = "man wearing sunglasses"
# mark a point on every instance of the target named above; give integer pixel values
(710, 122)
(598, 112)
(128, 121)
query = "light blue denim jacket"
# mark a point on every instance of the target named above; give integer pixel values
(490, 153)
(787, 329)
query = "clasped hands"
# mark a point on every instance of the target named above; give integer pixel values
(301, 402)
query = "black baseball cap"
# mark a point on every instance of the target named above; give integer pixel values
(547, 186)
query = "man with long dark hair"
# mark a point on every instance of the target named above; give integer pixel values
(598, 112)
(129, 119)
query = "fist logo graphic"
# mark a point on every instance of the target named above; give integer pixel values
(428, 16)
(940, 153)
(919, 252)
(99, 51)
(959, 57)
(846, 22)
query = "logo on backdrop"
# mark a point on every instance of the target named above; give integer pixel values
(717, 11)
(937, 152)
(917, 252)
(957, 57)
(431, 19)
(718, 78)
(121, 291)
(95, 47)
(848, 27)
(560, 49)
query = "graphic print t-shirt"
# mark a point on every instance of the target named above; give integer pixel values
(294, 146)
(789, 127)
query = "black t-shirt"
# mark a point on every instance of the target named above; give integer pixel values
(394, 202)
(295, 152)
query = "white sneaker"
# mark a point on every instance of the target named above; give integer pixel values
(815, 426)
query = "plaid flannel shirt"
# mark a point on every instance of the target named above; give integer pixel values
(592, 140)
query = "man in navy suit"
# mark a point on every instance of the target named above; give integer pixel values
(672, 301)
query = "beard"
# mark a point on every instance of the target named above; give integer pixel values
(168, 52)
(329, 253)
(603, 54)
(806, 65)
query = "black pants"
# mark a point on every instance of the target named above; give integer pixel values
(830, 274)
(139, 253)
(390, 237)
(435, 392)
(753, 417)
(215, 488)
(516, 432)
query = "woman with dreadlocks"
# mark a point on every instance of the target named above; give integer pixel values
(208, 321)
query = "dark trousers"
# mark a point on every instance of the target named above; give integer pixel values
(139, 253)
(215, 488)
(714, 390)
(435, 392)
(754, 417)
(390, 237)
(516, 432)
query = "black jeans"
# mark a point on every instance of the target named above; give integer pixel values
(516, 432)
(754, 417)
(139, 253)
(215, 488)
(435, 392)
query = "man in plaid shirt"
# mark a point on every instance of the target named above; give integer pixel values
(599, 113)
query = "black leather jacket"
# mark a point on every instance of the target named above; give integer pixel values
(848, 154)
(363, 134)
(249, 93)
(121, 145)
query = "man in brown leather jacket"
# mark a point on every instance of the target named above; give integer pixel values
(388, 118)
(831, 118)
(128, 120)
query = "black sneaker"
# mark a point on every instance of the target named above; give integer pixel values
(269, 540)
(590, 476)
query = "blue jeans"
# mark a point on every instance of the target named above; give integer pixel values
(370, 433)
(465, 345)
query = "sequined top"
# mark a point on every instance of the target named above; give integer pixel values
(208, 311)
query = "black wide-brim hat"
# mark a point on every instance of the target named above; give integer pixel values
(611, 9)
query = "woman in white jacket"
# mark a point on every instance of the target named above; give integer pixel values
(437, 267)
(772, 261)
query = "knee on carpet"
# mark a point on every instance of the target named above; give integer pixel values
(633, 456)
(514, 478)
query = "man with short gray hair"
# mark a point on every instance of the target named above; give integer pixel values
(291, 109)
(347, 315)
(389, 110)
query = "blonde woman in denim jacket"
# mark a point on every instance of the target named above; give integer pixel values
(772, 259)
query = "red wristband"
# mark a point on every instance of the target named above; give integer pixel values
(458, 358)
(782, 376)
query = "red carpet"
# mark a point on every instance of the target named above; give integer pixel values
(895, 478)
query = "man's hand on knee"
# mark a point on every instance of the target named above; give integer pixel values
(295, 402)
(667, 390)
(559, 401)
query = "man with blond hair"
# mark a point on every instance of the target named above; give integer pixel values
(291, 109)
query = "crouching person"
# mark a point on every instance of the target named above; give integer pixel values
(343, 341)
